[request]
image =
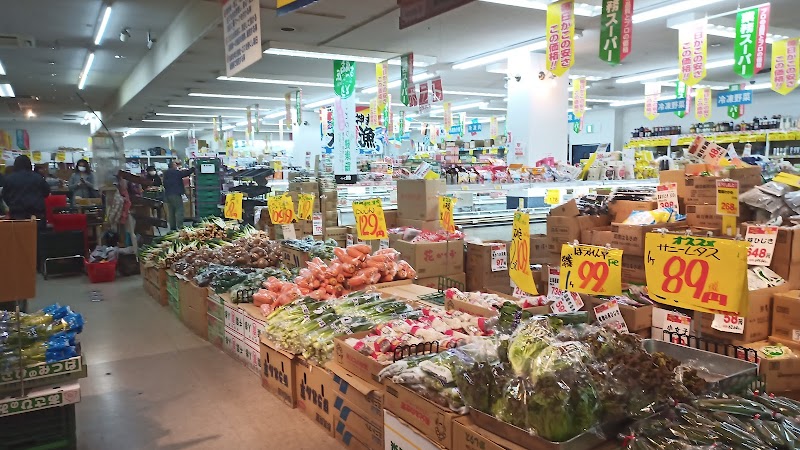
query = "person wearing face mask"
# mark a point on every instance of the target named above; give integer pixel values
(152, 175)
(81, 183)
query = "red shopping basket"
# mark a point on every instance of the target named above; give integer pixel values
(101, 272)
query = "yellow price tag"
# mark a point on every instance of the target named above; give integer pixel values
(788, 178)
(431, 175)
(370, 222)
(552, 197)
(305, 206)
(520, 254)
(228, 146)
(37, 157)
(588, 269)
(701, 274)
(728, 197)
(446, 207)
(281, 209)
(61, 156)
(233, 205)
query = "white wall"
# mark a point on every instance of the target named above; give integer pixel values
(604, 123)
(47, 137)
(145, 142)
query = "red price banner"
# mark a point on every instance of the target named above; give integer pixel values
(589, 269)
(370, 221)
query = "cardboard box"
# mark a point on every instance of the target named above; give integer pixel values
(757, 324)
(480, 276)
(424, 225)
(633, 270)
(468, 436)
(254, 322)
(409, 293)
(357, 394)
(563, 229)
(348, 422)
(540, 246)
(233, 344)
(568, 209)
(619, 210)
(315, 392)
(391, 218)
(400, 435)
(308, 187)
(278, 372)
(216, 331)
(296, 199)
(701, 190)
(430, 419)
(703, 216)
(194, 311)
(630, 238)
(419, 199)
(747, 177)
(354, 361)
(597, 236)
(433, 282)
(674, 176)
(252, 352)
(338, 234)
(786, 316)
(433, 259)
(779, 367)
(786, 257)
(636, 319)
(294, 258)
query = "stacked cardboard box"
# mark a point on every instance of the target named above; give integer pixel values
(432, 260)
(564, 225)
(329, 203)
(357, 411)
(418, 203)
(483, 272)
(786, 317)
(757, 321)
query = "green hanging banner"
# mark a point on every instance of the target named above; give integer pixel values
(616, 30)
(750, 47)
(736, 111)
(344, 78)
(681, 92)
(577, 126)
(406, 76)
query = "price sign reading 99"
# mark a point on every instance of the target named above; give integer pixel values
(305, 206)
(701, 274)
(370, 222)
(588, 269)
(281, 209)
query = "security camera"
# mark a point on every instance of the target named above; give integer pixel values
(518, 78)
(542, 76)
(150, 41)
(124, 34)
(305, 122)
(752, 81)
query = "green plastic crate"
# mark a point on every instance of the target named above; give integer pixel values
(50, 428)
(208, 196)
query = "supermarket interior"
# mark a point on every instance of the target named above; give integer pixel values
(400, 224)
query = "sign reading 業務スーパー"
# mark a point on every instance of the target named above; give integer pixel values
(588, 269)
(616, 30)
(750, 47)
(241, 22)
(692, 52)
(560, 51)
(682, 96)
(406, 78)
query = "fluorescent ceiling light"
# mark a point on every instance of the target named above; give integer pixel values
(487, 108)
(571, 88)
(238, 97)
(2, 69)
(598, 100)
(229, 108)
(198, 115)
(85, 72)
(474, 94)
(396, 105)
(173, 133)
(499, 56)
(326, 102)
(461, 107)
(581, 9)
(6, 90)
(334, 53)
(671, 9)
(172, 121)
(670, 72)
(638, 101)
(759, 86)
(588, 77)
(275, 81)
(396, 83)
(103, 23)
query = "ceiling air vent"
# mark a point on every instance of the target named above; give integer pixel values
(16, 41)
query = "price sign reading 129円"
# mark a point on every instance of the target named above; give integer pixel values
(370, 222)
(701, 274)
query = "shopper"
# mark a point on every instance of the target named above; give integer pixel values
(24, 192)
(81, 183)
(173, 194)
(152, 175)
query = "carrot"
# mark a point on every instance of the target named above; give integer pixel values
(358, 280)
(387, 278)
(305, 291)
(363, 248)
(353, 252)
(390, 252)
(348, 269)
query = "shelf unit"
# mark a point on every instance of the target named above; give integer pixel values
(768, 138)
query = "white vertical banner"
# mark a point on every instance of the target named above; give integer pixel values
(241, 21)
(345, 152)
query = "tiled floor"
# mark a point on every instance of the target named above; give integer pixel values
(153, 384)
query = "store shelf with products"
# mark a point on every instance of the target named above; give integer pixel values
(762, 141)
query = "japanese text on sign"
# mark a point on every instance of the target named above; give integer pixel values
(609, 315)
(588, 269)
(446, 207)
(762, 241)
(785, 66)
(702, 106)
(241, 21)
(370, 221)
(729, 323)
(667, 195)
(682, 95)
(730, 98)
(728, 197)
(652, 92)
(560, 36)
(751, 40)
(706, 151)
(579, 96)
(519, 253)
(552, 197)
(665, 106)
(701, 274)
(305, 206)
(692, 52)
(233, 205)
(499, 256)
(281, 209)
(616, 30)
(567, 302)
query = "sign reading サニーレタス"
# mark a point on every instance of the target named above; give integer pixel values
(241, 22)
(560, 52)
(692, 52)
(750, 49)
(616, 30)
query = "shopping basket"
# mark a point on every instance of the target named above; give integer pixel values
(101, 272)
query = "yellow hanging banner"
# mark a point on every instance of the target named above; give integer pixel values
(579, 96)
(652, 92)
(233, 205)
(702, 104)
(446, 207)
(305, 206)
(61, 156)
(36, 156)
(785, 65)
(520, 254)
(692, 52)
(588, 269)
(701, 274)
(560, 51)
(370, 221)
(281, 209)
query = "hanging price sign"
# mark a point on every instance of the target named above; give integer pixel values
(370, 222)
(305, 206)
(520, 253)
(762, 241)
(728, 197)
(499, 258)
(588, 269)
(552, 197)
(667, 195)
(281, 209)
(446, 206)
(233, 205)
(701, 274)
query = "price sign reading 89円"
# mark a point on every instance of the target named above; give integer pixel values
(588, 269)
(701, 274)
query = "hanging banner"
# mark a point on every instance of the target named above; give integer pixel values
(682, 94)
(249, 131)
(736, 110)
(344, 78)
(382, 78)
(677, 105)
(402, 125)
(446, 208)
(587, 269)
(579, 96)
(785, 66)
(616, 30)
(735, 97)
(258, 119)
(288, 108)
(406, 77)
(23, 140)
(493, 127)
(560, 50)
(577, 126)
(298, 108)
(701, 274)
(519, 253)
(437, 93)
(693, 52)
(702, 107)
(241, 22)
(287, 6)
(423, 99)
(344, 131)
(215, 129)
(448, 115)
(751, 40)
(652, 92)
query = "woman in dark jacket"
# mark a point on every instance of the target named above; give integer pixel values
(24, 191)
